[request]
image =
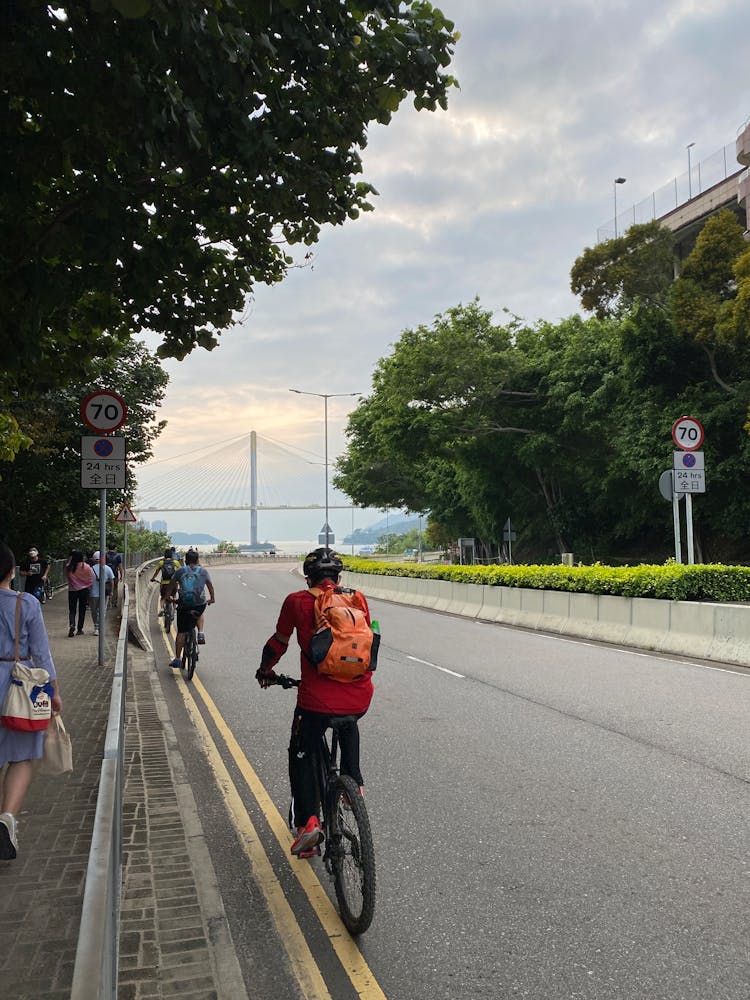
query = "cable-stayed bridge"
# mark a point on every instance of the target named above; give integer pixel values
(244, 473)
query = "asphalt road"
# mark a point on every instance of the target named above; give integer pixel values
(552, 818)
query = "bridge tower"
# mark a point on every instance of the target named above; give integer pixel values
(253, 488)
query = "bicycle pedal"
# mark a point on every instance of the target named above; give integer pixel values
(311, 852)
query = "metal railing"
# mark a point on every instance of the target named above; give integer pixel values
(702, 175)
(97, 956)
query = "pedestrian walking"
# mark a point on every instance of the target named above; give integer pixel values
(114, 560)
(80, 577)
(19, 750)
(108, 576)
(35, 570)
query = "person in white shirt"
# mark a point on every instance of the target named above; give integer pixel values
(109, 578)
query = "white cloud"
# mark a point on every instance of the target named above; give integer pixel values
(495, 198)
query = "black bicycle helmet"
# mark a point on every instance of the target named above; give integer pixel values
(322, 563)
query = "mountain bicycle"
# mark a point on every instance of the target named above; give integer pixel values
(349, 856)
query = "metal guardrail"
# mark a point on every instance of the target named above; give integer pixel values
(97, 955)
(704, 174)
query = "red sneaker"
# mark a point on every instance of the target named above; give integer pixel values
(308, 837)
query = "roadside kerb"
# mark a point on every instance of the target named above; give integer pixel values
(731, 637)
(691, 628)
(96, 962)
(687, 628)
(469, 600)
(601, 616)
(555, 611)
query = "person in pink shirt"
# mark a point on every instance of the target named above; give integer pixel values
(80, 577)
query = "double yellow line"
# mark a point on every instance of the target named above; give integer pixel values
(305, 967)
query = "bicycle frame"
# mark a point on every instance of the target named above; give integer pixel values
(349, 856)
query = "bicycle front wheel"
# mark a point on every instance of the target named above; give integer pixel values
(352, 855)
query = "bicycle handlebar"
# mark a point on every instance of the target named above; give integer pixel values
(283, 681)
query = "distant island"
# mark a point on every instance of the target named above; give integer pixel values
(396, 525)
(180, 538)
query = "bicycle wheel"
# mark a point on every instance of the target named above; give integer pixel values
(189, 655)
(168, 616)
(353, 855)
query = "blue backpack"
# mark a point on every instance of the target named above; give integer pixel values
(191, 587)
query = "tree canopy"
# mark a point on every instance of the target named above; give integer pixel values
(41, 500)
(159, 156)
(635, 267)
(563, 427)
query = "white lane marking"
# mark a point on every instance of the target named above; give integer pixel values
(263, 596)
(444, 669)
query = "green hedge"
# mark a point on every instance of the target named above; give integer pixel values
(671, 582)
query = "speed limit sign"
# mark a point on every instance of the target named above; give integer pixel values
(104, 411)
(688, 433)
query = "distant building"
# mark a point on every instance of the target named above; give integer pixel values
(159, 526)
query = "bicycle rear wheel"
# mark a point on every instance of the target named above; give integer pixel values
(353, 855)
(168, 616)
(189, 655)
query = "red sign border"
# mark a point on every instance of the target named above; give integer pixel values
(684, 447)
(104, 392)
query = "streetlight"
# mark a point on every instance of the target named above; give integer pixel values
(618, 180)
(325, 396)
(690, 181)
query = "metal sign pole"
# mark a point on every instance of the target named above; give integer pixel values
(676, 520)
(689, 528)
(102, 575)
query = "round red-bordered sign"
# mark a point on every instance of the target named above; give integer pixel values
(104, 411)
(688, 433)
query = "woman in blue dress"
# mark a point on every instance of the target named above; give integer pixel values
(18, 751)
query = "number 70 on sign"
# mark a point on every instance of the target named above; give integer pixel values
(688, 433)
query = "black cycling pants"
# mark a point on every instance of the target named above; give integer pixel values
(307, 728)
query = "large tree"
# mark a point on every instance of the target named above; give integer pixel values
(160, 155)
(41, 500)
(616, 274)
(710, 299)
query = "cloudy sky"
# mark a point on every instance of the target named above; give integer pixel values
(494, 198)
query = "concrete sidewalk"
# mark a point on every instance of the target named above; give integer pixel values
(174, 937)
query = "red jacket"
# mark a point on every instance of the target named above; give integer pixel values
(318, 693)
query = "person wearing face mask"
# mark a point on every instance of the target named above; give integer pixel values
(35, 570)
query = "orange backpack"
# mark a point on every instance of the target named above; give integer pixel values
(342, 645)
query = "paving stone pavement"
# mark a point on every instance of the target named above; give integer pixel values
(174, 940)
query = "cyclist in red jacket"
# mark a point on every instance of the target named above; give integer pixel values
(318, 699)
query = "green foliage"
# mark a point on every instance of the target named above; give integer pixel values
(158, 156)
(40, 491)
(85, 536)
(563, 427)
(710, 299)
(227, 548)
(616, 274)
(12, 438)
(671, 582)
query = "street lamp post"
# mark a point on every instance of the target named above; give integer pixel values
(618, 180)
(690, 177)
(325, 396)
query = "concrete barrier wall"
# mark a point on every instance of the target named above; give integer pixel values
(688, 628)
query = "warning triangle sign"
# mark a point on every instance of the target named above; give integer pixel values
(125, 515)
